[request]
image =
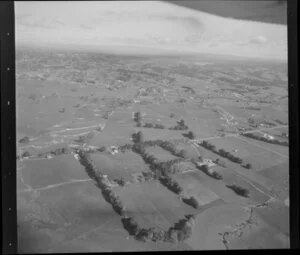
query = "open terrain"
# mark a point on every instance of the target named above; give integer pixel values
(74, 102)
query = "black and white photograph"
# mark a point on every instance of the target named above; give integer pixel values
(152, 126)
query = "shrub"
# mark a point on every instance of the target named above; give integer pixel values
(220, 162)
(239, 190)
(191, 201)
(24, 140)
(248, 166)
(101, 149)
(32, 97)
(26, 154)
(130, 225)
(213, 174)
(137, 118)
(143, 235)
(189, 135)
(120, 182)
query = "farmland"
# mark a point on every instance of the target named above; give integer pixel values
(87, 167)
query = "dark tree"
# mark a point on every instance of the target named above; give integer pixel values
(239, 190)
(138, 118)
(24, 140)
(26, 154)
(248, 166)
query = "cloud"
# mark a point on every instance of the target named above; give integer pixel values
(39, 22)
(258, 40)
(143, 23)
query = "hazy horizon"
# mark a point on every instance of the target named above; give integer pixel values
(145, 28)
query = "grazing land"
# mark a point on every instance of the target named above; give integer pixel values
(110, 153)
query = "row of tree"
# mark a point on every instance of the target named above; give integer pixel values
(205, 169)
(181, 230)
(239, 190)
(93, 173)
(223, 153)
(264, 139)
(151, 125)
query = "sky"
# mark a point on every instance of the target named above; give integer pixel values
(145, 26)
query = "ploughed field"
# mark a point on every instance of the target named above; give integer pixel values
(106, 140)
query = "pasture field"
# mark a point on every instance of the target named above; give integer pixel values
(278, 174)
(43, 172)
(196, 189)
(259, 236)
(264, 160)
(282, 151)
(231, 144)
(152, 205)
(50, 217)
(277, 215)
(119, 165)
(159, 153)
(213, 221)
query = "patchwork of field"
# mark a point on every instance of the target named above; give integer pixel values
(88, 105)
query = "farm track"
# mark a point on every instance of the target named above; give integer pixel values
(52, 186)
(84, 234)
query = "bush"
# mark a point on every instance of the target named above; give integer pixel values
(205, 169)
(26, 154)
(24, 140)
(130, 225)
(248, 166)
(220, 162)
(239, 190)
(191, 201)
(189, 135)
(120, 182)
(137, 118)
(101, 149)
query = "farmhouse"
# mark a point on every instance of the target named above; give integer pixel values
(268, 137)
(207, 162)
(113, 150)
